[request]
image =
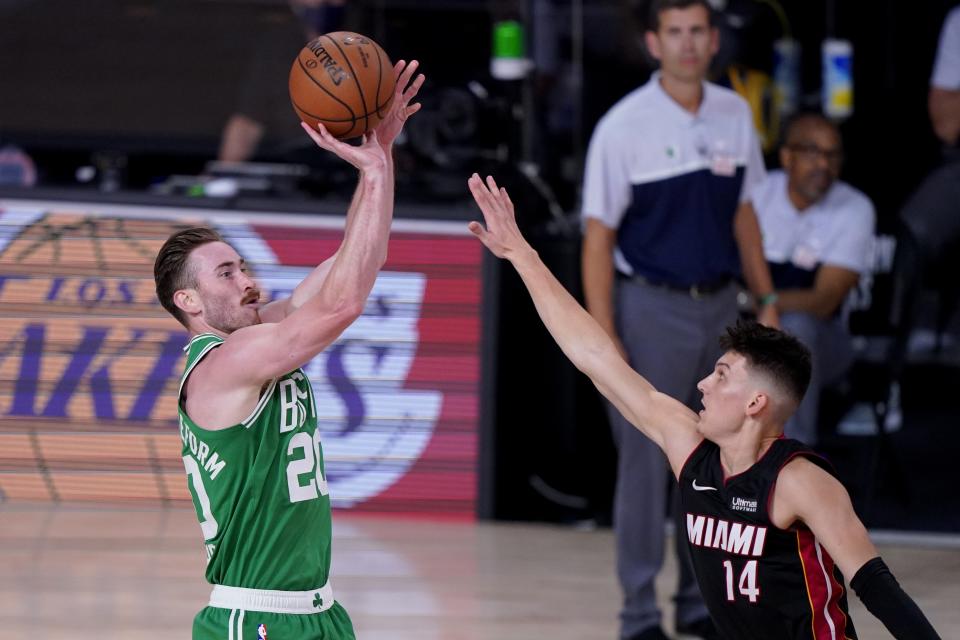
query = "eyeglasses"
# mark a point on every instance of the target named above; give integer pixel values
(811, 153)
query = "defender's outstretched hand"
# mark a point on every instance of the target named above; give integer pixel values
(368, 156)
(401, 109)
(501, 236)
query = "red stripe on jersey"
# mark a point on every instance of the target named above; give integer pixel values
(817, 587)
(836, 589)
(824, 591)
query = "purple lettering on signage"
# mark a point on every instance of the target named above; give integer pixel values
(55, 285)
(126, 296)
(162, 371)
(81, 367)
(100, 387)
(91, 291)
(344, 387)
(66, 386)
(25, 391)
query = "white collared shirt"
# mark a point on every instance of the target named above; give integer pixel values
(671, 181)
(837, 230)
(946, 67)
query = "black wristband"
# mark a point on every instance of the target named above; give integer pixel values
(885, 599)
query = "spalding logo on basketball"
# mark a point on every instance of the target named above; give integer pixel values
(344, 81)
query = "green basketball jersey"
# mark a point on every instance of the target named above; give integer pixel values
(258, 487)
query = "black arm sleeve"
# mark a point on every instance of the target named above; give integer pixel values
(883, 597)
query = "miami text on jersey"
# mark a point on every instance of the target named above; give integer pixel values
(732, 537)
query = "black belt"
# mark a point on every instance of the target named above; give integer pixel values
(695, 291)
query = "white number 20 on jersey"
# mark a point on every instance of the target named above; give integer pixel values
(309, 463)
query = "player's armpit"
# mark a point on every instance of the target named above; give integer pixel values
(279, 309)
(807, 493)
(275, 310)
(669, 423)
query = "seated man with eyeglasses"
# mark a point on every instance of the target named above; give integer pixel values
(817, 238)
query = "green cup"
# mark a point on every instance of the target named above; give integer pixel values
(508, 40)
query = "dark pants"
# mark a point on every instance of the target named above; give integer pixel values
(671, 339)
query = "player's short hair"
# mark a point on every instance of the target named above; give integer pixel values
(772, 352)
(170, 270)
(656, 7)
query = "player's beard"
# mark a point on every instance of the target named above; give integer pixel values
(228, 316)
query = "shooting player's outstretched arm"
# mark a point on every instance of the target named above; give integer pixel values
(406, 90)
(663, 419)
(254, 354)
(226, 384)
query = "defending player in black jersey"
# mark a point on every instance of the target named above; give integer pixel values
(768, 524)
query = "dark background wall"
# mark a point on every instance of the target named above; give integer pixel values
(153, 76)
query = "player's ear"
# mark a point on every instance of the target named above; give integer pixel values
(188, 300)
(758, 401)
(714, 41)
(653, 43)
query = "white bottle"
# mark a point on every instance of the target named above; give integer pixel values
(786, 75)
(837, 78)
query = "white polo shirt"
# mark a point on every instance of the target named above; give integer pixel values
(946, 67)
(837, 230)
(671, 181)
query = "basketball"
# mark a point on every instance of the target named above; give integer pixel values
(343, 80)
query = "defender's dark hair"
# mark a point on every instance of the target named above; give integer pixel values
(170, 272)
(773, 352)
(656, 7)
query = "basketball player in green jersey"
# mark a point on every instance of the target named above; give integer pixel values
(248, 421)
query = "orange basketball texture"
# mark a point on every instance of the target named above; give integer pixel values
(343, 80)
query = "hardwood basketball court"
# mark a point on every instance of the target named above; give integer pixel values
(83, 573)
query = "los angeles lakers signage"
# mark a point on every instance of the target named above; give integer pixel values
(89, 361)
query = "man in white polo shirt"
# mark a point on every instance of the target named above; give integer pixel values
(944, 98)
(668, 231)
(817, 237)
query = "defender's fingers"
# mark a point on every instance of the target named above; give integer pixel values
(414, 87)
(506, 197)
(481, 194)
(404, 75)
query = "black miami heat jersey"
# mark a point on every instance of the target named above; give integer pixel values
(759, 582)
